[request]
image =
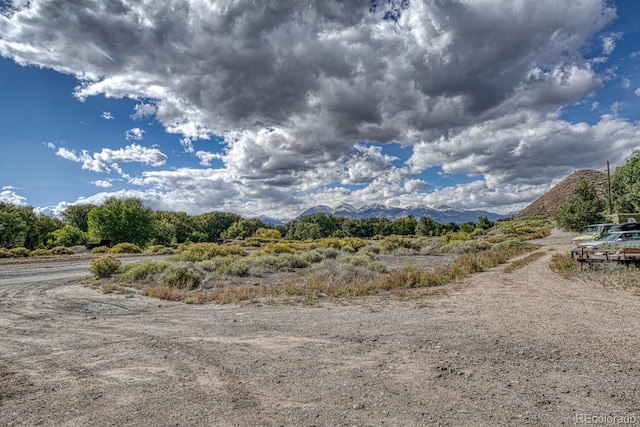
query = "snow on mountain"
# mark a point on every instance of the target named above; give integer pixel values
(440, 213)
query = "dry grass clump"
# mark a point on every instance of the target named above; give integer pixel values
(202, 251)
(520, 263)
(125, 248)
(105, 266)
(564, 265)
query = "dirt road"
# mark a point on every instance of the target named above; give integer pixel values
(499, 349)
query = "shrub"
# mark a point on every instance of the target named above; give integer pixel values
(125, 248)
(564, 264)
(156, 248)
(40, 252)
(511, 244)
(20, 252)
(61, 250)
(181, 275)
(238, 267)
(100, 250)
(6, 253)
(278, 248)
(391, 243)
(311, 256)
(143, 270)
(328, 252)
(361, 260)
(201, 251)
(105, 266)
(166, 251)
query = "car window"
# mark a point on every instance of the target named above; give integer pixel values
(609, 237)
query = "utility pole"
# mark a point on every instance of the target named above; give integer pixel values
(609, 186)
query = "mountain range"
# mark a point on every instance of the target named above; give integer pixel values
(440, 213)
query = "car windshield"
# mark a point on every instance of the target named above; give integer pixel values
(590, 229)
(609, 237)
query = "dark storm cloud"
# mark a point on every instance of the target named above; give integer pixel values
(327, 75)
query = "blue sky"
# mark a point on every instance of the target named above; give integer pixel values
(208, 105)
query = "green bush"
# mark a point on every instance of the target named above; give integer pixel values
(6, 253)
(311, 257)
(61, 250)
(361, 260)
(125, 248)
(156, 248)
(391, 243)
(166, 251)
(100, 250)
(40, 252)
(181, 275)
(279, 248)
(105, 266)
(143, 270)
(328, 252)
(21, 252)
(511, 244)
(201, 251)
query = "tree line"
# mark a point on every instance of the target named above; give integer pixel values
(129, 220)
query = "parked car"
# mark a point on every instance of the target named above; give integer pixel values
(626, 226)
(603, 248)
(591, 232)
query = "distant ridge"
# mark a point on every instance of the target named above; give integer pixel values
(439, 213)
(548, 204)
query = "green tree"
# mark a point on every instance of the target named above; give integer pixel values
(213, 224)
(302, 230)
(78, 216)
(13, 229)
(267, 233)
(68, 235)
(42, 229)
(625, 186)
(484, 223)
(173, 227)
(468, 227)
(243, 229)
(122, 220)
(426, 227)
(405, 226)
(585, 208)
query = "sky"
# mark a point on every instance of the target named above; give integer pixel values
(272, 107)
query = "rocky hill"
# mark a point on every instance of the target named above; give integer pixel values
(548, 204)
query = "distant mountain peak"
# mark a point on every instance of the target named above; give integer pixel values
(443, 214)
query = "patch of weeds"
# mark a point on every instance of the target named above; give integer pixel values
(41, 252)
(125, 248)
(141, 271)
(105, 266)
(181, 275)
(202, 251)
(61, 250)
(466, 246)
(21, 252)
(278, 248)
(564, 265)
(391, 243)
(518, 264)
(361, 260)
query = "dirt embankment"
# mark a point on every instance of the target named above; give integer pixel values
(498, 349)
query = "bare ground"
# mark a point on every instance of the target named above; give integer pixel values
(518, 348)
